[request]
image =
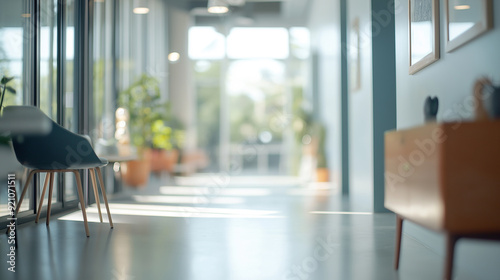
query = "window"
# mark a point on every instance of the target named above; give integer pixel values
(69, 113)
(42, 63)
(206, 43)
(15, 61)
(47, 76)
(245, 42)
(251, 77)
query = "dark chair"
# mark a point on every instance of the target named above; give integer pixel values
(59, 150)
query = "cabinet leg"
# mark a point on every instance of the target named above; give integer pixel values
(451, 240)
(399, 231)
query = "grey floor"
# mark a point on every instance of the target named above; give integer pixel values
(214, 227)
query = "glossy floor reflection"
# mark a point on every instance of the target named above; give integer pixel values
(192, 229)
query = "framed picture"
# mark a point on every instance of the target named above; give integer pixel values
(466, 20)
(354, 57)
(423, 17)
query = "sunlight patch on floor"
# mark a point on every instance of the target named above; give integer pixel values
(339, 213)
(191, 209)
(187, 199)
(119, 211)
(224, 180)
(313, 191)
(214, 191)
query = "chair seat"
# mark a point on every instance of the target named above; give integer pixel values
(103, 162)
(99, 162)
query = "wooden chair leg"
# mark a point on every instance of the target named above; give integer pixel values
(96, 193)
(42, 197)
(103, 190)
(25, 189)
(451, 240)
(49, 205)
(399, 232)
(25, 176)
(82, 203)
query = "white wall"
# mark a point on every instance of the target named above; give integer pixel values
(451, 78)
(360, 103)
(324, 24)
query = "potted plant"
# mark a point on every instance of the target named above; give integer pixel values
(162, 146)
(303, 147)
(143, 102)
(178, 139)
(168, 140)
(322, 172)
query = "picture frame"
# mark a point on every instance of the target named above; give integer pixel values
(423, 33)
(354, 57)
(466, 20)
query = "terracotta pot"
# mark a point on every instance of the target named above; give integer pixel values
(322, 175)
(171, 158)
(135, 173)
(163, 160)
(157, 159)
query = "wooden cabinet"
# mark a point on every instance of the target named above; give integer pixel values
(445, 177)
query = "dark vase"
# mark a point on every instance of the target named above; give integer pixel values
(491, 101)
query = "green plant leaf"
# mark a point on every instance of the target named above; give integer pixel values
(5, 80)
(11, 90)
(4, 140)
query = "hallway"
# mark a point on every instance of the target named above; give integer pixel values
(273, 228)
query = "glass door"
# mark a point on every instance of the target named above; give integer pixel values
(48, 74)
(257, 95)
(69, 114)
(37, 48)
(16, 49)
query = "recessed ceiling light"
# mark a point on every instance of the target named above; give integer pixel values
(141, 10)
(218, 10)
(462, 7)
(217, 7)
(174, 56)
(140, 7)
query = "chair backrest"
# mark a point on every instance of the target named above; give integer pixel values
(59, 149)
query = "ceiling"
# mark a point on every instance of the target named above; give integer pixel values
(253, 13)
